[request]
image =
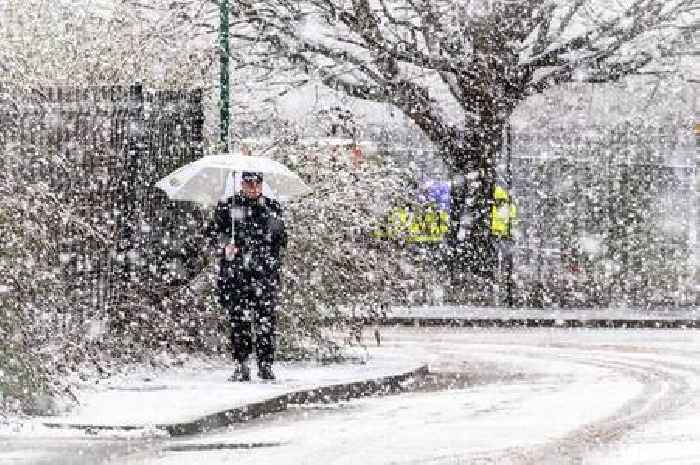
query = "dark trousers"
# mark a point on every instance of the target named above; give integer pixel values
(251, 303)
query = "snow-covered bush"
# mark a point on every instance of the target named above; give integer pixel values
(616, 208)
(32, 290)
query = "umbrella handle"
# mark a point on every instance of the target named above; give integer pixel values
(233, 221)
(233, 228)
(233, 206)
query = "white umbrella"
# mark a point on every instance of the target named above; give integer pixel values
(205, 180)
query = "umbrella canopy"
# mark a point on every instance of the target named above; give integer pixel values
(205, 179)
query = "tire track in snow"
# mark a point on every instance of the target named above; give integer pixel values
(666, 387)
(664, 379)
(668, 372)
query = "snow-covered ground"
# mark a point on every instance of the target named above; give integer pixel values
(145, 397)
(540, 397)
(182, 394)
(534, 396)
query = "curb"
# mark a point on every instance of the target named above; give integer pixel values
(243, 413)
(546, 322)
(502, 316)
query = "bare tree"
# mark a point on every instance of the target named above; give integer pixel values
(437, 61)
(478, 59)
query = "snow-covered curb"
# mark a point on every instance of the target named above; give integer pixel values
(247, 411)
(322, 394)
(190, 394)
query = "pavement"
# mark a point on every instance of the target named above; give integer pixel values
(540, 396)
(196, 396)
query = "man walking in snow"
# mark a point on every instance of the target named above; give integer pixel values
(249, 272)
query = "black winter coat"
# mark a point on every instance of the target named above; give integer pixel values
(260, 236)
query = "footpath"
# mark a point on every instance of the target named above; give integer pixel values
(196, 396)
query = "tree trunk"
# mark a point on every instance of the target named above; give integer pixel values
(471, 156)
(471, 252)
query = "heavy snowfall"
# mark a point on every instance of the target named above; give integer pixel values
(349, 231)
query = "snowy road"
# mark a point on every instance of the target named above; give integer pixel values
(533, 396)
(537, 397)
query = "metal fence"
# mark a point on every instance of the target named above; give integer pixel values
(100, 149)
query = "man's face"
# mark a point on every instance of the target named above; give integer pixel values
(251, 189)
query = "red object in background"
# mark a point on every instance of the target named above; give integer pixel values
(356, 155)
(569, 257)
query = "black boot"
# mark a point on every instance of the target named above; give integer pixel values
(241, 372)
(265, 371)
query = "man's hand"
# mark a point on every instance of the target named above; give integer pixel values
(230, 251)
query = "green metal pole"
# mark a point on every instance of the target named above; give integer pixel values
(509, 183)
(224, 76)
